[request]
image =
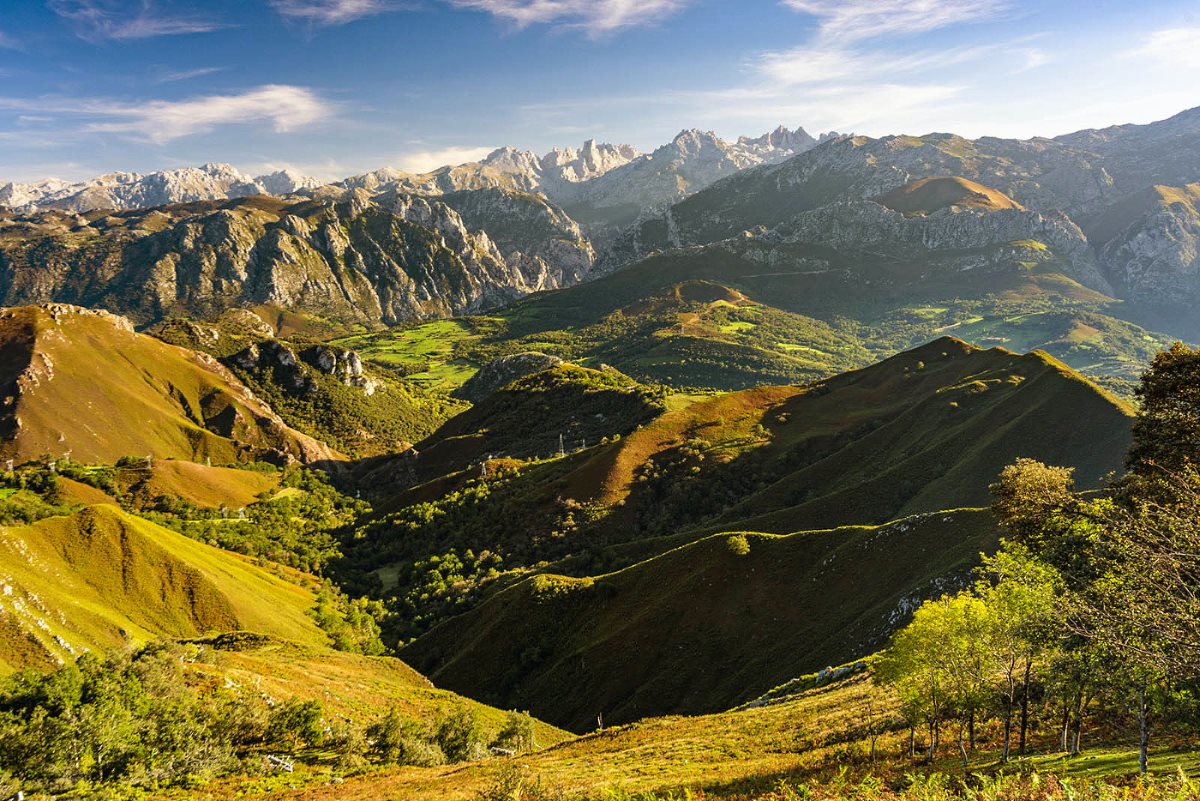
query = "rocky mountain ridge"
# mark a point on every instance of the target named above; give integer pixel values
(357, 258)
(128, 190)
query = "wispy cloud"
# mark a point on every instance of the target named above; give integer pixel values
(427, 160)
(1175, 46)
(171, 76)
(597, 17)
(283, 108)
(856, 20)
(8, 42)
(333, 12)
(97, 20)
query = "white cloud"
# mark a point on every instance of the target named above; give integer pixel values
(332, 12)
(124, 20)
(597, 17)
(171, 76)
(856, 20)
(429, 160)
(8, 42)
(284, 108)
(851, 64)
(1177, 46)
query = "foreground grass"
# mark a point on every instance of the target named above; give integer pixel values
(814, 745)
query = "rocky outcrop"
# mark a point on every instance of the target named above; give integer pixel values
(868, 226)
(289, 368)
(535, 237)
(1155, 259)
(501, 372)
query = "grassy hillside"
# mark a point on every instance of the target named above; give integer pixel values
(927, 195)
(69, 374)
(691, 333)
(102, 577)
(815, 743)
(366, 413)
(742, 314)
(703, 627)
(565, 405)
(924, 431)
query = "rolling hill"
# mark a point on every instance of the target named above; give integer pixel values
(84, 383)
(102, 579)
(928, 195)
(924, 431)
(703, 627)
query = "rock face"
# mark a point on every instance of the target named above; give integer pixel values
(381, 259)
(1157, 254)
(1092, 177)
(126, 190)
(288, 366)
(870, 226)
(536, 239)
(502, 372)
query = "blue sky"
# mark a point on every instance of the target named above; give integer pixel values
(336, 87)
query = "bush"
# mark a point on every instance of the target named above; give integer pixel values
(297, 723)
(517, 732)
(738, 545)
(460, 736)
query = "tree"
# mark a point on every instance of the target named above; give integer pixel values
(1166, 434)
(937, 665)
(1018, 594)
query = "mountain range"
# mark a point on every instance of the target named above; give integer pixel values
(659, 449)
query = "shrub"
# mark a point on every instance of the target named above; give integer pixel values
(517, 732)
(738, 545)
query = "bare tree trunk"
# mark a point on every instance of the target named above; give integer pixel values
(1025, 706)
(1143, 733)
(971, 729)
(962, 746)
(1008, 709)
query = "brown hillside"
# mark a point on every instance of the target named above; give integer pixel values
(925, 430)
(83, 382)
(927, 195)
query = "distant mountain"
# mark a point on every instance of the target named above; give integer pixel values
(1091, 179)
(602, 186)
(127, 190)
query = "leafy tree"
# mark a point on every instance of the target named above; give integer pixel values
(1019, 600)
(938, 666)
(1166, 434)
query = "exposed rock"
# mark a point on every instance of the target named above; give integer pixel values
(354, 258)
(1155, 259)
(501, 372)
